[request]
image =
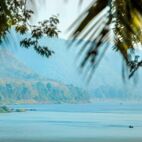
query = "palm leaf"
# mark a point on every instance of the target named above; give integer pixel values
(123, 17)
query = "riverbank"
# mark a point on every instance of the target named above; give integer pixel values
(75, 140)
(5, 109)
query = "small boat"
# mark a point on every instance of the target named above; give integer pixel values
(130, 126)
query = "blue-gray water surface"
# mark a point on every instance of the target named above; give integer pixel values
(63, 122)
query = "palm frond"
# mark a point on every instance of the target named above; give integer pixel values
(123, 17)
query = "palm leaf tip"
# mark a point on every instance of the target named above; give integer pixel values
(122, 17)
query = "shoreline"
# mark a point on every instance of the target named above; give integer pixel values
(97, 139)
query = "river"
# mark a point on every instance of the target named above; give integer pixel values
(100, 122)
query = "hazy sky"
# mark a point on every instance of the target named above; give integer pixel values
(68, 11)
(63, 64)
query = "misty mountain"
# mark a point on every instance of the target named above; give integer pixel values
(10, 67)
(63, 66)
(106, 83)
(19, 84)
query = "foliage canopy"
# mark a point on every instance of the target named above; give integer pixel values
(14, 14)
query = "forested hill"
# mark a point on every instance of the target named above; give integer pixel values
(19, 84)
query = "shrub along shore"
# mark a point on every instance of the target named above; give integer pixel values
(5, 109)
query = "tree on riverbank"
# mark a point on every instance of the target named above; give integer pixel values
(14, 14)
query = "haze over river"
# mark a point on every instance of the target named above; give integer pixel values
(100, 122)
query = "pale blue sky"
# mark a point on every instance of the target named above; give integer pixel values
(68, 11)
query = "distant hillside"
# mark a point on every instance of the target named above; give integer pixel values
(63, 66)
(19, 84)
(106, 83)
(11, 68)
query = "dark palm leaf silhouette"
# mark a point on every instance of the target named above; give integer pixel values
(120, 19)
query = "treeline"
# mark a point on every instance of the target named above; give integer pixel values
(41, 92)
